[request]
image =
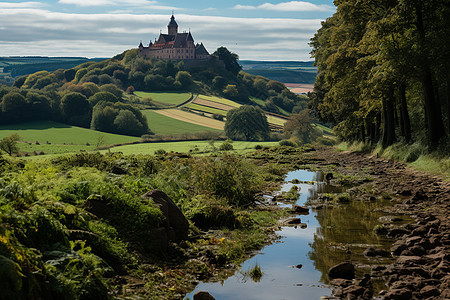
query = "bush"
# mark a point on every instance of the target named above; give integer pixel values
(226, 146)
(287, 143)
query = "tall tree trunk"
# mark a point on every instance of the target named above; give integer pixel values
(388, 120)
(433, 117)
(447, 96)
(405, 121)
(435, 125)
(378, 127)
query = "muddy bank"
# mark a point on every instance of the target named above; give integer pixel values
(422, 248)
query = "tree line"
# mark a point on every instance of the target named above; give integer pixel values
(383, 71)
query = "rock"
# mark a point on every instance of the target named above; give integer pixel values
(429, 291)
(398, 294)
(353, 291)
(341, 282)
(292, 221)
(396, 232)
(176, 223)
(300, 209)
(372, 252)
(420, 196)
(418, 250)
(343, 270)
(202, 295)
(398, 247)
(409, 259)
(329, 176)
(413, 240)
(420, 231)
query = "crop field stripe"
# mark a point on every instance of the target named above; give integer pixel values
(220, 100)
(206, 109)
(276, 120)
(162, 124)
(213, 104)
(191, 118)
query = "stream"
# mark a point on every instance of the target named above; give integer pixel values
(296, 266)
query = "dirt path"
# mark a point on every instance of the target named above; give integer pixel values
(422, 249)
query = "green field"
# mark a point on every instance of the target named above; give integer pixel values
(184, 147)
(171, 99)
(57, 133)
(206, 109)
(160, 124)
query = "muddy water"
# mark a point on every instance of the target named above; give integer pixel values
(296, 267)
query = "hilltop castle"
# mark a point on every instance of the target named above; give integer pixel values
(174, 46)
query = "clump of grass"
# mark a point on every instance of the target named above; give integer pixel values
(254, 273)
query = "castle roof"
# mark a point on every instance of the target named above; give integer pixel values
(172, 21)
(174, 41)
(201, 50)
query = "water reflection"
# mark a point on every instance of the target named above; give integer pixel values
(332, 235)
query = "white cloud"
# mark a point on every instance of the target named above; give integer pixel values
(105, 35)
(288, 6)
(143, 4)
(8, 5)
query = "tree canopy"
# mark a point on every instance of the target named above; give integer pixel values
(382, 72)
(247, 123)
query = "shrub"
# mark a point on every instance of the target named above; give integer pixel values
(287, 143)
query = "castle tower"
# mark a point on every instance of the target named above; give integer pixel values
(173, 26)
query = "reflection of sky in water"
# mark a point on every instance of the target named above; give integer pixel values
(280, 280)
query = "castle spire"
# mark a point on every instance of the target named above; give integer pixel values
(173, 26)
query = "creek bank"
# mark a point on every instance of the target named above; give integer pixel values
(422, 250)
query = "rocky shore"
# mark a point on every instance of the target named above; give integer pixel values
(421, 248)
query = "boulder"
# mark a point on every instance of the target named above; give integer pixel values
(343, 270)
(176, 223)
(202, 295)
(300, 209)
(429, 291)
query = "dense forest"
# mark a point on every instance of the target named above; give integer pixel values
(91, 95)
(383, 71)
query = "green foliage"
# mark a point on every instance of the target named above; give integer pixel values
(9, 144)
(247, 123)
(76, 108)
(300, 127)
(226, 146)
(230, 59)
(382, 82)
(119, 118)
(229, 177)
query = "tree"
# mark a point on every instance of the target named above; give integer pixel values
(127, 124)
(184, 78)
(230, 59)
(247, 123)
(299, 126)
(9, 144)
(74, 104)
(102, 96)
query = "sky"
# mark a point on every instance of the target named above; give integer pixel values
(271, 30)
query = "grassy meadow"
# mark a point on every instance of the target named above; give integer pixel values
(57, 133)
(185, 147)
(169, 99)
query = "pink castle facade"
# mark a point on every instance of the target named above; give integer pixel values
(174, 46)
